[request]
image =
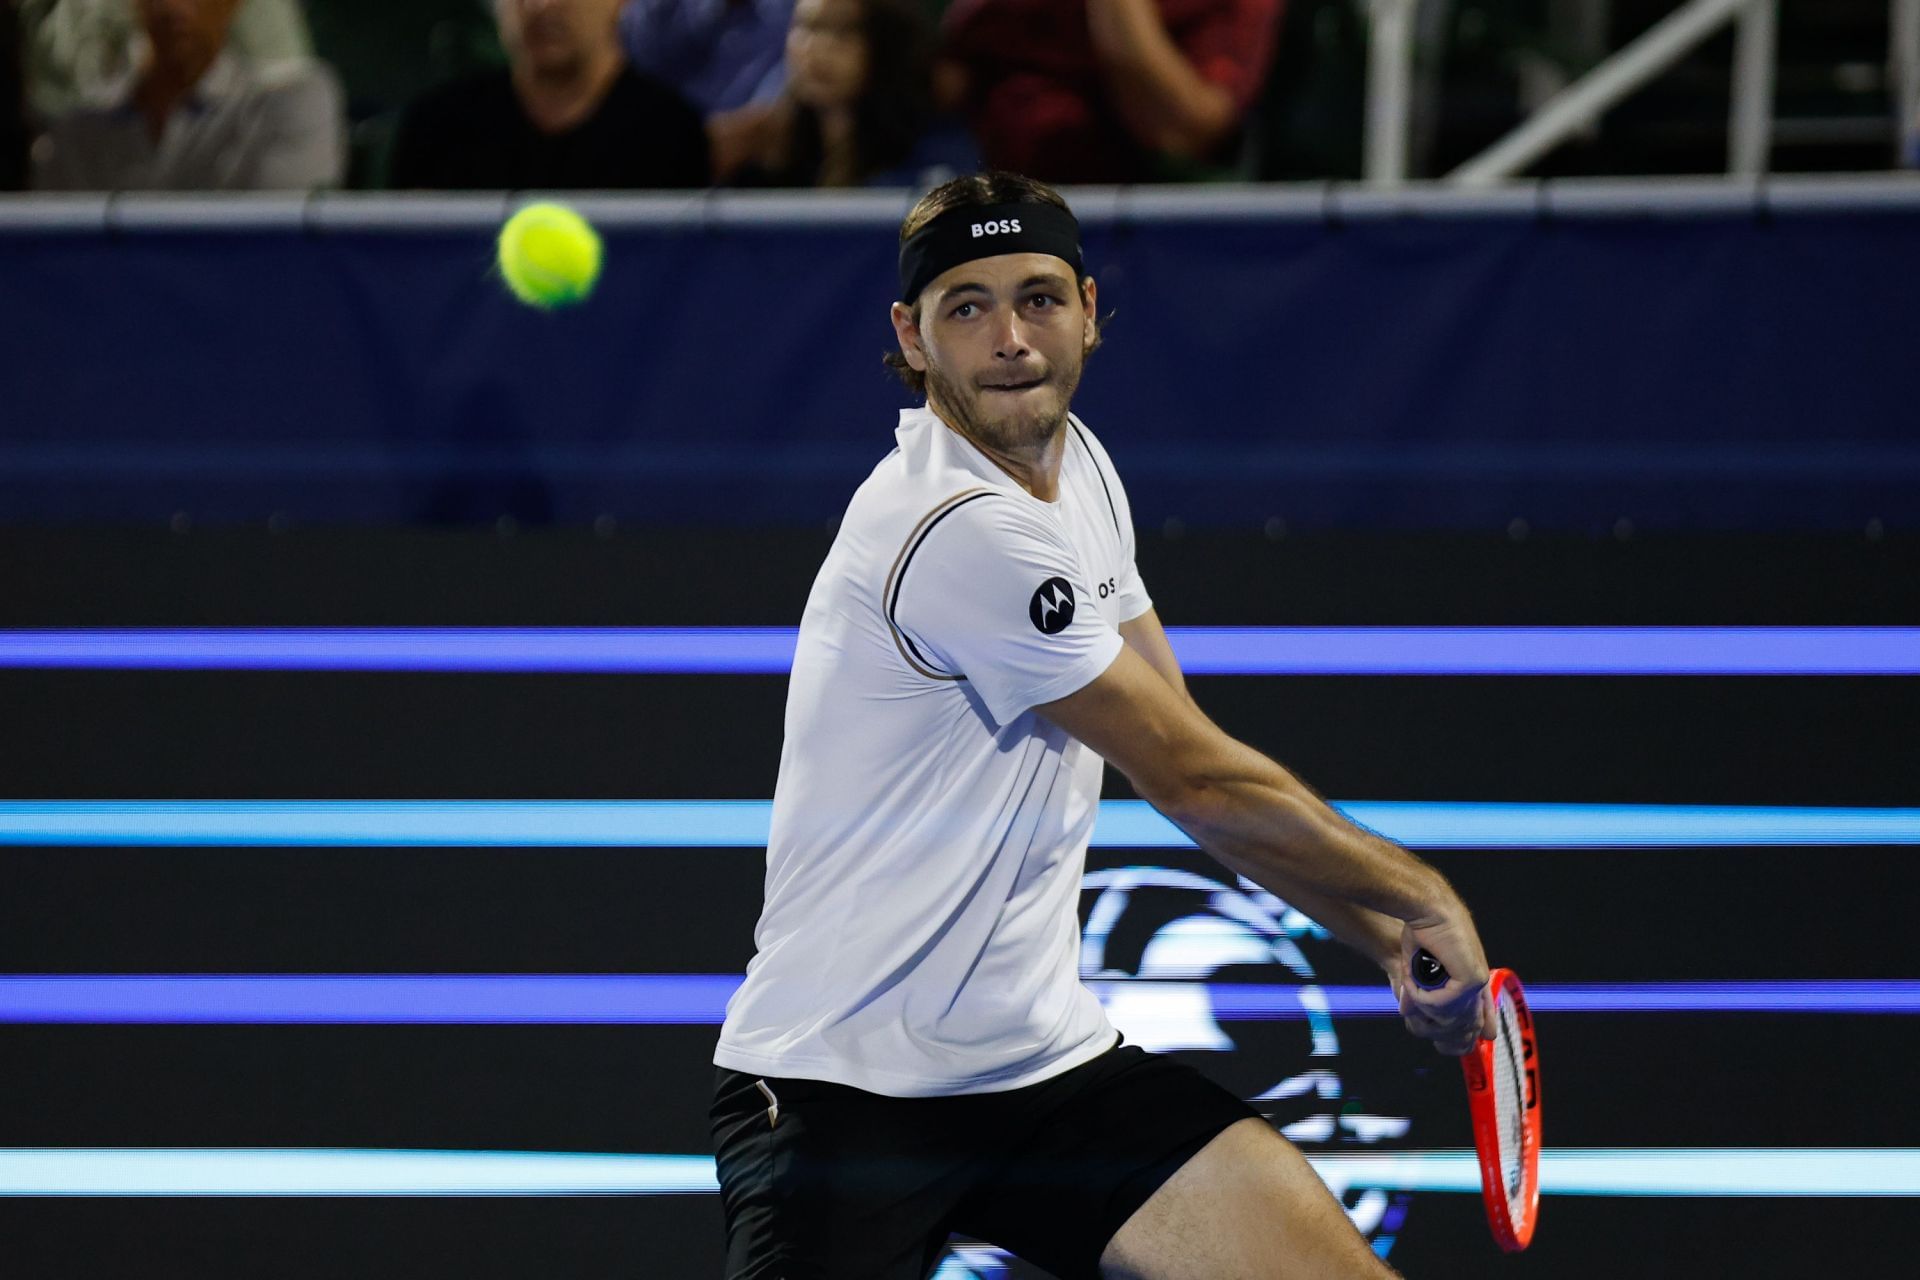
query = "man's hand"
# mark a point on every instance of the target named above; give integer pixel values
(1458, 1012)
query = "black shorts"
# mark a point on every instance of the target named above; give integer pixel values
(827, 1182)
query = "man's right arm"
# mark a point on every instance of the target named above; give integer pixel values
(1257, 819)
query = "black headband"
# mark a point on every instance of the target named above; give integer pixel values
(986, 231)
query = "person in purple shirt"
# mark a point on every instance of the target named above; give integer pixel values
(719, 54)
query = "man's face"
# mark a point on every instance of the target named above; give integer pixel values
(555, 37)
(187, 34)
(1002, 341)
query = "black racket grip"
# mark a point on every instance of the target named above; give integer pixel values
(1428, 973)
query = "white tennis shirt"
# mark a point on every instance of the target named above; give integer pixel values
(921, 934)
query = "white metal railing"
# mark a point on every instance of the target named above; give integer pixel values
(1389, 90)
(1390, 78)
(1750, 121)
(324, 213)
(1658, 49)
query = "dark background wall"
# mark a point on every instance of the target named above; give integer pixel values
(1558, 405)
(1617, 1080)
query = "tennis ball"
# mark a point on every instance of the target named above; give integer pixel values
(549, 255)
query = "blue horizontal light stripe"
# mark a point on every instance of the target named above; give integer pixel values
(647, 651)
(678, 999)
(743, 824)
(1678, 1171)
(1478, 825)
(653, 999)
(1549, 651)
(1133, 824)
(1510, 651)
(1237, 1002)
(254, 1171)
(703, 824)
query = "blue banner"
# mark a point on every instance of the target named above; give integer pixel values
(1451, 364)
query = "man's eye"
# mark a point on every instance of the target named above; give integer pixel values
(1044, 300)
(963, 307)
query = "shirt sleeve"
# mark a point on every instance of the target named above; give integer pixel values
(991, 592)
(1131, 600)
(649, 39)
(307, 146)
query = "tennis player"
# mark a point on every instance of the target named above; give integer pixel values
(912, 1052)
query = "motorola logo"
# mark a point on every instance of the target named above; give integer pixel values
(1052, 606)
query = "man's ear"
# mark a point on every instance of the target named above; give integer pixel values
(1090, 298)
(907, 331)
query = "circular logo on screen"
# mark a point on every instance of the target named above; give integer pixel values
(1052, 606)
(1224, 976)
(1186, 964)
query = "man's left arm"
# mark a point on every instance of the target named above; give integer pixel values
(1368, 932)
(1160, 93)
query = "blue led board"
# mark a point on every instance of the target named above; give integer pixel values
(743, 824)
(1243, 651)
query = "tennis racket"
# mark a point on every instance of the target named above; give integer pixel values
(1503, 1093)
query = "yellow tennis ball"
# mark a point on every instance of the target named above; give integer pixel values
(549, 255)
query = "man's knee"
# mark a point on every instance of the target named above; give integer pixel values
(1248, 1206)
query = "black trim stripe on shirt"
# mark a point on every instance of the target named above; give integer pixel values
(1079, 431)
(901, 640)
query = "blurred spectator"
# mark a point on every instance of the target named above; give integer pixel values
(13, 105)
(187, 114)
(81, 52)
(718, 54)
(857, 108)
(1107, 90)
(568, 111)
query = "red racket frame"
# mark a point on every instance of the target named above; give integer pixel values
(1478, 1068)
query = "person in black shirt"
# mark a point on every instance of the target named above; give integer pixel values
(568, 112)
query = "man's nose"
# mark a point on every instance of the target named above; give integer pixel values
(1010, 341)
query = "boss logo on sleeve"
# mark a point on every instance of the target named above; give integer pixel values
(1052, 606)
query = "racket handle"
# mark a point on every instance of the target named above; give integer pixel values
(1428, 973)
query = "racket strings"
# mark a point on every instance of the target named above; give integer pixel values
(1510, 1103)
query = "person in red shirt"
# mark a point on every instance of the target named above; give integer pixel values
(1106, 90)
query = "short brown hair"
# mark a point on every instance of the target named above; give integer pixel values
(975, 189)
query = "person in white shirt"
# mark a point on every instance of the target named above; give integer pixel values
(187, 113)
(912, 1052)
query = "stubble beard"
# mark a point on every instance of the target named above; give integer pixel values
(1014, 432)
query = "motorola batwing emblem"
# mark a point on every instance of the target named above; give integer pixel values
(1052, 606)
